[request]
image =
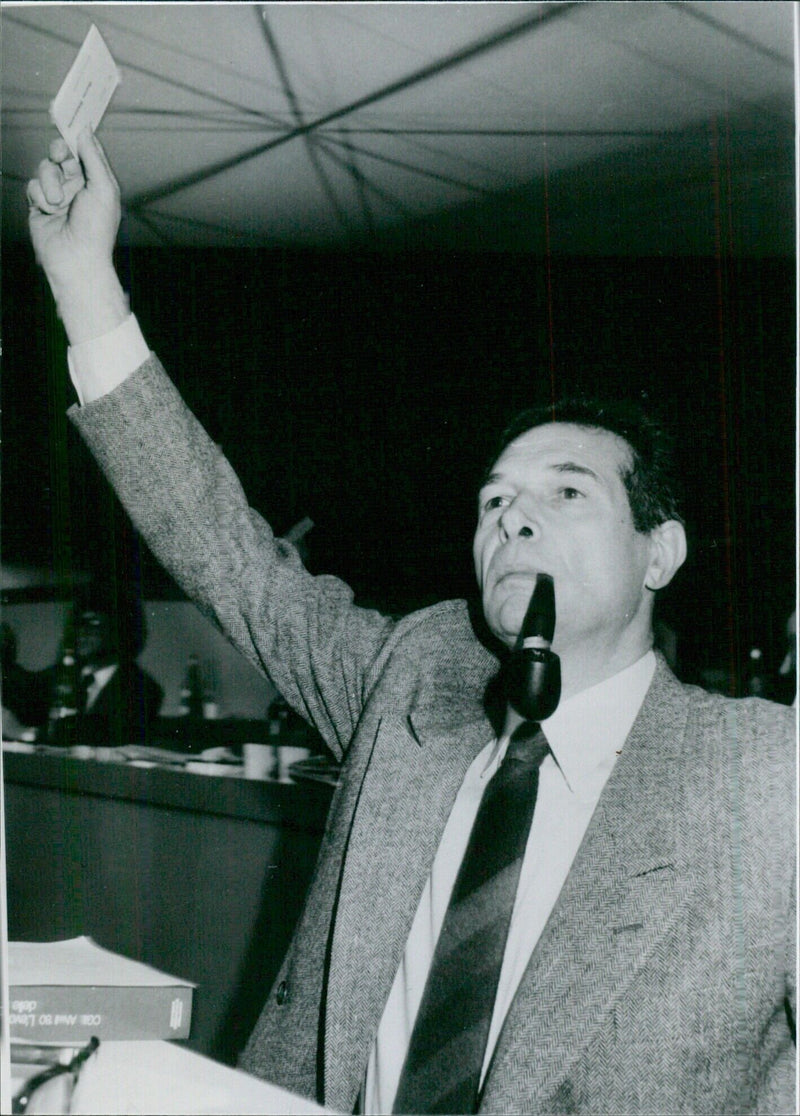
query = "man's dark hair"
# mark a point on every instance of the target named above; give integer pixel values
(650, 479)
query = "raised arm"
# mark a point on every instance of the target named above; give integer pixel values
(304, 632)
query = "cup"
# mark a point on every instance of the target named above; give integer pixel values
(259, 761)
(288, 754)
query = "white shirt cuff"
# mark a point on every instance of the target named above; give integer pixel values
(99, 365)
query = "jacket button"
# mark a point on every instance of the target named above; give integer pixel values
(282, 993)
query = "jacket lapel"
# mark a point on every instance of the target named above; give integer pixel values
(408, 792)
(623, 892)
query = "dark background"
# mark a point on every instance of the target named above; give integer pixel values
(365, 391)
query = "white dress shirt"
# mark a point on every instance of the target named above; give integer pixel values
(96, 681)
(586, 734)
(101, 364)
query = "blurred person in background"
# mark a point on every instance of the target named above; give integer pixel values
(95, 685)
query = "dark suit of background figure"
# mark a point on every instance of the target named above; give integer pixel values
(122, 710)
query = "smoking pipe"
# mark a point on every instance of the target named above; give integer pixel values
(533, 671)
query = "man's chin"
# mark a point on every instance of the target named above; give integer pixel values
(505, 619)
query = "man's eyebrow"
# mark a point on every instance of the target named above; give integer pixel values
(574, 467)
(558, 467)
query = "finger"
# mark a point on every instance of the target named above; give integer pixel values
(50, 177)
(37, 200)
(95, 164)
(59, 150)
(50, 180)
(72, 187)
(71, 172)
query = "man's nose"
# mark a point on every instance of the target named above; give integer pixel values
(518, 520)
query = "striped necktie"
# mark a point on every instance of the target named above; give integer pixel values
(443, 1065)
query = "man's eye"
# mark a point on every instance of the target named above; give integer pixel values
(568, 493)
(496, 502)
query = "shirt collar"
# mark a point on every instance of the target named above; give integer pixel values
(99, 675)
(587, 731)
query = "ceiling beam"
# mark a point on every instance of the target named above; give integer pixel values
(530, 22)
(390, 200)
(411, 168)
(299, 119)
(723, 28)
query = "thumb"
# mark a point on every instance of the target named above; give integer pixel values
(95, 164)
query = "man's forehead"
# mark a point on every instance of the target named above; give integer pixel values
(567, 447)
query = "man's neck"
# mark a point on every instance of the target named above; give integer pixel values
(581, 671)
(95, 664)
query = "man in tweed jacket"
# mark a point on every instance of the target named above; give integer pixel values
(663, 977)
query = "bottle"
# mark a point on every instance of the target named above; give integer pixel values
(756, 681)
(66, 703)
(191, 700)
(210, 699)
(278, 717)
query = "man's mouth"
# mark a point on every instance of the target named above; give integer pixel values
(522, 575)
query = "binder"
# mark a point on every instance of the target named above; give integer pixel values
(66, 991)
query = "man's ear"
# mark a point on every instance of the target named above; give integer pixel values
(667, 553)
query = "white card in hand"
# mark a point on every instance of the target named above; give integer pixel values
(86, 90)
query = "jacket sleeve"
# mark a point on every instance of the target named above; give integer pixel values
(304, 632)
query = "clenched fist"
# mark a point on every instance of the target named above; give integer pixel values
(74, 214)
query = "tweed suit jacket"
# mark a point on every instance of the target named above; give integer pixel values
(664, 979)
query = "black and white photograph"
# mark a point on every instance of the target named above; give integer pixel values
(398, 539)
